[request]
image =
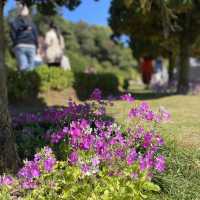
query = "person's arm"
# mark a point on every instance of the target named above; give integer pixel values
(62, 43)
(13, 34)
(48, 39)
(35, 35)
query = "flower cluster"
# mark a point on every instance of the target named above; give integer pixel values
(6, 180)
(43, 162)
(95, 143)
(144, 112)
(106, 145)
(127, 97)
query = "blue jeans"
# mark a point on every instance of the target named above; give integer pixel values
(25, 57)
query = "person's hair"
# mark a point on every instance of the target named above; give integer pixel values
(56, 29)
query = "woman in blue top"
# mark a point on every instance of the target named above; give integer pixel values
(25, 39)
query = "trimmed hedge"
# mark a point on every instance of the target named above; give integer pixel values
(86, 83)
(26, 85)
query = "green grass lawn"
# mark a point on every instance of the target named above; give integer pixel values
(182, 178)
(184, 126)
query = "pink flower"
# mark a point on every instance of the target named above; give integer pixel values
(73, 158)
(6, 180)
(160, 164)
(132, 156)
(96, 95)
(127, 97)
(49, 164)
(164, 114)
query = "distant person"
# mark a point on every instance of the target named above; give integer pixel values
(158, 64)
(55, 46)
(160, 77)
(158, 70)
(24, 38)
(146, 68)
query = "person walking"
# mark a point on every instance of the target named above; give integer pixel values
(146, 67)
(24, 38)
(55, 46)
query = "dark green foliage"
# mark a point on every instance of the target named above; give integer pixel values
(29, 140)
(26, 85)
(22, 85)
(86, 83)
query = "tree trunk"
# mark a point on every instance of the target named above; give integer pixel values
(9, 159)
(183, 82)
(172, 61)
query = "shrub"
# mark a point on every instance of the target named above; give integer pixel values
(85, 83)
(27, 84)
(54, 78)
(22, 86)
(123, 76)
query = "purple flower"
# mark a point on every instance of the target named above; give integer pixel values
(37, 157)
(75, 132)
(96, 95)
(147, 140)
(29, 184)
(160, 164)
(73, 158)
(144, 107)
(120, 153)
(95, 161)
(146, 162)
(30, 170)
(6, 180)
(164, 114)
(101, 111)
(149, 116)
(48, 151)
(134, 112)
(132, 156)
(86, 143)
(49, 164)
(85, 168)
(159, 140)
(127, 97)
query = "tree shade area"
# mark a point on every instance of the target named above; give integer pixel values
(170, 26)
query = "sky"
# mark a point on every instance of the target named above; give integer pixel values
(89, 11)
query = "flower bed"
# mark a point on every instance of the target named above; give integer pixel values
(89, 155)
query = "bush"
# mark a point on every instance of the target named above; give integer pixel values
(54, 78)
(80, 63)
(23, 85)
(27, 84)
(86, 83)
(123, 76)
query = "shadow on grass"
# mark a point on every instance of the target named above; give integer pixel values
(149, 95)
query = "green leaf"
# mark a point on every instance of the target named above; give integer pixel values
(149, 186)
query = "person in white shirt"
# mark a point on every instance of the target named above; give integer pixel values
(55, 46)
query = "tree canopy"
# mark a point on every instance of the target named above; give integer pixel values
(170, 24)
